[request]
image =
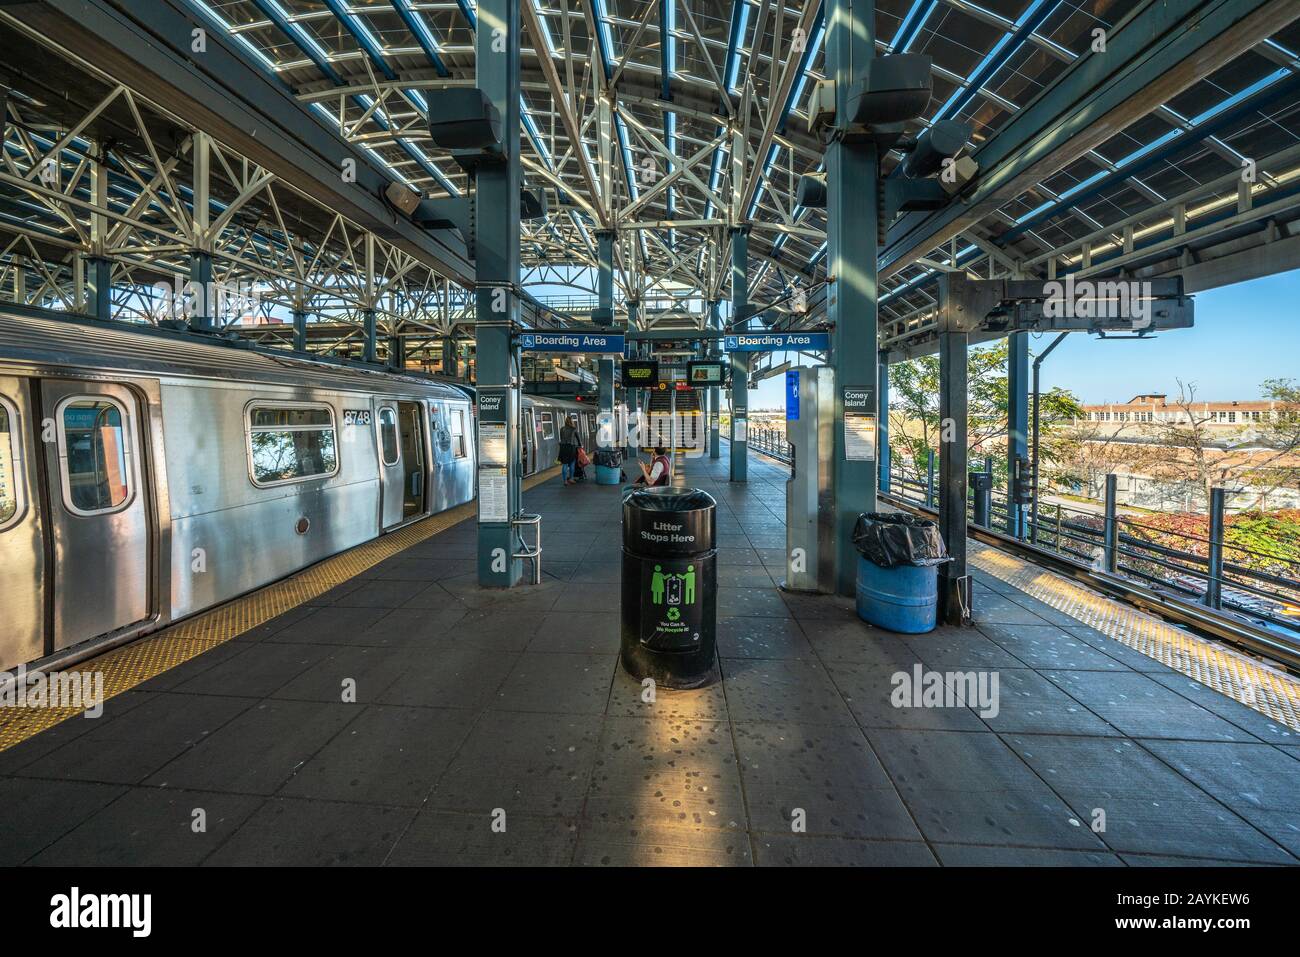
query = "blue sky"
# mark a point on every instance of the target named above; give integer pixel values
(1243, 334)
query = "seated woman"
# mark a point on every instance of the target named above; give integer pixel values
(658, 472)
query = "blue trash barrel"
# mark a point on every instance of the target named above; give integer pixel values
(607, 475)
(903, 599)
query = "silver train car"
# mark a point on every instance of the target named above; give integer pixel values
(145, 477)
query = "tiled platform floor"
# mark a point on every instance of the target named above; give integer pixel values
(476, 708)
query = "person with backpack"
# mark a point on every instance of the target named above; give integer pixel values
(569, 450)
(659, 471)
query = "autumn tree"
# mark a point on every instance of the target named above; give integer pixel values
(914, 426)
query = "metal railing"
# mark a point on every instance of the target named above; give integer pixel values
(770, 442)
(529, 552)
(1203, 562)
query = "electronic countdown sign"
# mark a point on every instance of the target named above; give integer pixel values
(640, 373)
(703, 373)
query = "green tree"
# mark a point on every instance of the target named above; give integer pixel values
(914, 426)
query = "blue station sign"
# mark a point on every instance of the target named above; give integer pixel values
(778, 342)
(605, 343)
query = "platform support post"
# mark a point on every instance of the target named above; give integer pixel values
(496, 274)
(715, 393)
(882, 418)
(1018, 468)
(739, 360)
(954, 585)
(1110, 540)
(299, 328)
(98, 273)
(1214, 583)
(449, 363)
(852, 171)
(631, 397)
(370, 346)
(605, 303)
(202, 318)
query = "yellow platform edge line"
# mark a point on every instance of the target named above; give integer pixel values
(1272, 692)
(151, 655)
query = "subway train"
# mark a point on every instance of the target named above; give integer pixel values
(145, 477)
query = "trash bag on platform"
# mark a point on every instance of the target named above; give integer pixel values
(890, 539)
(610, 458)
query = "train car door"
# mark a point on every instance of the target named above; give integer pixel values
(22, 543)
(414, 481)
(392, 475)
(528, 433)
(99, 509)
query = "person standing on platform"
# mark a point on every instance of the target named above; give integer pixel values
(569, 449)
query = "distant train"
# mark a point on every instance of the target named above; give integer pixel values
(147, 477)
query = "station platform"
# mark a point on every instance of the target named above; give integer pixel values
(498, 727)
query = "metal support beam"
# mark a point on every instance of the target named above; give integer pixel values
(882, 414)
(715, 394)
(739, 360)
(852, 171)
(370, 349)
(1018, 465)
(1214, 570)
(450, 367)
(496, 262)
(299, 330)
(1156, 51)
(954, 585)
(203, 319)
(99, 300)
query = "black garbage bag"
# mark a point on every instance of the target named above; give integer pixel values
(890, 539)
(610, 458)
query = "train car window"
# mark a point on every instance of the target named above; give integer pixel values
(388, 435)
(548, 426)
(9, 477)
(96, 474)
(457, 419)
(291, 443)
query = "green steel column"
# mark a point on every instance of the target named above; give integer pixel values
(203, 318)
(98, 277)
(370, 345)
(396, 352)
(496, 264)
(1017, 428)
(739, 360)
(632, 397)
(954, 341)
(450, 367)
(882, 413)
(715, 393)
(605, 303)
(852, 170)
(299, 330)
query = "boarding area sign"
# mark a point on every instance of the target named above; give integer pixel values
(778, 342)
(600, 343)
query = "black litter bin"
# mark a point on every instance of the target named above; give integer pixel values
(670, 594)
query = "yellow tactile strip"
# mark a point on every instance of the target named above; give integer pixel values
(1270, 692)
(124, 668)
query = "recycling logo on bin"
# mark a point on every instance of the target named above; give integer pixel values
(670, 619)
